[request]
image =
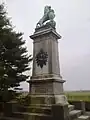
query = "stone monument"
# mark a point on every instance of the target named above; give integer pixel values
(47, 100)
(46, 83)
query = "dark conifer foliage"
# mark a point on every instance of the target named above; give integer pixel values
(14, 59)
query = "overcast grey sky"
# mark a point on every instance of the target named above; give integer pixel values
(73, 23)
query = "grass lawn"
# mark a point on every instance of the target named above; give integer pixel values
(78, 95)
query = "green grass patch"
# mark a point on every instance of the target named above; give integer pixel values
(77, 96)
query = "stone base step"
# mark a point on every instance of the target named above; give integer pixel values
(75, 114)
(9, 118)
(35, 109)
(40, 105)
(42, 99)
(40, 108)
(31, 116)
(71, 107)
(83, 117)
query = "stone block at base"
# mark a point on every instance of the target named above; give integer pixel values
(60, 112)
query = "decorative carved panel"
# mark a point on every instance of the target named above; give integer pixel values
(41, 58)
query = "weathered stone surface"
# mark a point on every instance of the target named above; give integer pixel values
(46, 79)
(9, 118)
(83, 107)
(83, 117)
(46, 84)
(31, 116)
(35, 109)
(71, 107)
(42, 99)
(60, 112)
(48, 41)
(74, 114)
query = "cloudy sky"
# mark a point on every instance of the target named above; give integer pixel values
(73, 23)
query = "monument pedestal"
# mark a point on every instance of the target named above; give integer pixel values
(46, 84)
(51, 89)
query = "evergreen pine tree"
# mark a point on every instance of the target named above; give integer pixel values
(14, 60)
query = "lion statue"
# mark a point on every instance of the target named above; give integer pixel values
(48, 15)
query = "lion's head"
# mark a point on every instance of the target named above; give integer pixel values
(47, 9)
